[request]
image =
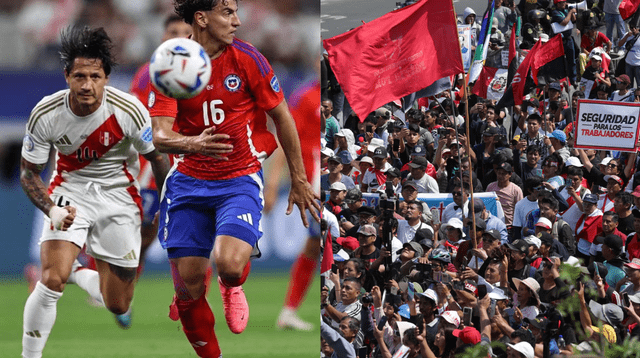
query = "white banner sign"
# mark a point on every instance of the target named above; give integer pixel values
(464, 36)
(607, 125)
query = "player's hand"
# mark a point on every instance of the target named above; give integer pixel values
(210, 144)
(304, 197)
(62, 218)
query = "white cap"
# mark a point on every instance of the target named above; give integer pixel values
(327, 151)
(338, 186)
(366, 159)
(456, 223)
(524, 348)
(596, 57)
(375, 143)
(452, 317)
(532, 240)
(544, 222)
(605, 161)
(431, 294)
(574, 162)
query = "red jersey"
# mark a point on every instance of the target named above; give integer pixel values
(242, 87)
(305, 108)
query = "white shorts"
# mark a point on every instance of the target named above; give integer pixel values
(108, 222)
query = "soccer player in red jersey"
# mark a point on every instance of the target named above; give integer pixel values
(214, 197)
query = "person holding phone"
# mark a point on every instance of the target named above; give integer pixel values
(552, 288)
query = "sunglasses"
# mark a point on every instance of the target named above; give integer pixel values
(611, 165)
(538, 188)
(457, 193)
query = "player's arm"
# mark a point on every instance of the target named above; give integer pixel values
(302, 194)
(61, 218)
(160, 166)
(208, 143)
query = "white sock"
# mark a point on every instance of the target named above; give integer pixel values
(39, 317)
(89, 281)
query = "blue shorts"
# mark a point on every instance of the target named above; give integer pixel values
(193, 212)
(150, 205)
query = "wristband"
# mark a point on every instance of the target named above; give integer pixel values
(57, 215)
(449, 297)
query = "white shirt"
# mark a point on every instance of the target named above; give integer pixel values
(572, 215)
(332, 222)
(97, 148)
(450, 212)
(407, 232)
(523, 207)
(370, 179)
(426, 184)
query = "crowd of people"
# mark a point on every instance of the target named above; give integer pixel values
(559, 275)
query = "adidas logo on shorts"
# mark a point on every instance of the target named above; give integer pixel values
(130, 256)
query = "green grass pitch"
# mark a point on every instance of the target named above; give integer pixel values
(85, 331)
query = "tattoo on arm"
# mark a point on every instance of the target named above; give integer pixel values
(33, 185)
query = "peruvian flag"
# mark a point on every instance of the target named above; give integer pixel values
(589, 226)
(395, 55)
(491, 83)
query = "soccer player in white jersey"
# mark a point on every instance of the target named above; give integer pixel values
(93, 197)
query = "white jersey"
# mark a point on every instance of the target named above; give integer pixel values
(96, 148)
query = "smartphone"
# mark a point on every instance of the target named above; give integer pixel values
(435, 216)
(492, 308)
(446, 278)
(482, 291)
(410, 291)
(369, 128)
(466, 316)
(396, 145)
(458, 285)
(334, 268)
(568, 183)
(597, 272)
(382, 322)
(625, 299)
(465, 262)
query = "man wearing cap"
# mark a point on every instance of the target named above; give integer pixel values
(614, 186)
(425, 183)
(420, 151)
(573, 192)
(376, 176)
(508, 193)
(337, 193)
(428, 303)
(622, 94)
(382, 116)
(334, 164)
(349, 216)
(366, 215)
(520, 350)
(410, 193)
(609, 227)
(518, 267)
(557, 142)
(393, 175)
(612, 246)
(549, 246)
(631, 285)
(367, 251)
(588, 226)
(492, 222)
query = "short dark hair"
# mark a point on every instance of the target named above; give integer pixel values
(534, 118)
(550, 200)
(415, 113)
(171, 19)
(187, 8)
(625, 198)
(463, 185)
(614, 216)
(534, 148)
(418, 204)
(353, 279)
(82, 41)
(532, 182)
(354, 323)
(578, 94)
(575, 171)
(490, 106)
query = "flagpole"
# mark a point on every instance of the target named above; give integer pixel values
(466, 109)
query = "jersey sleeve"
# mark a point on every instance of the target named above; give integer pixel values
(140, 83)
(142, 138)
(36, 144)
(161, 105)
(263, 82)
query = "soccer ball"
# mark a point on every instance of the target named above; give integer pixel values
(180, 68)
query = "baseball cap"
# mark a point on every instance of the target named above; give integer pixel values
(545, 223)
(602, 269)
(595, 57)
(419, 151)
(555, 86)
(613, 241)
(609, 313)
(345, 157)
(468, 335)
(430, 294)
(546, 238)
(368, 230)
(480, 223)
(456, 223)
(532, 240)
(419, 162)
(573, 161)
(491, 131)
(495, 234)
(410, 183)
(353, 195)
(634, 264)
(341, 256)
(454, 142)
(327, 151)
(393, 172)
(519, 245)
(478, 206)
(605, 160)
(349, 242)
(636, 191)
(635, 298)
(524, 347)
(614, 177)
(423, 234)
(538, 322)
(342, 132)
(506, 166)
(380, 152)
(591, 198)
(623, 78)
(367, 210)
(366, 159)
(383, 112)
(413, 246)
(338, 186)
(335, 158)
(452, 317)
(559, 135)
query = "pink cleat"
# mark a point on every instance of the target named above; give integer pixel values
(236, 308)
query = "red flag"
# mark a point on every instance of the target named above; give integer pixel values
(520, 78)
(491, 83)
(327, 256)
(628, 7)
(548, 52)
(395, 55)
(512, 43)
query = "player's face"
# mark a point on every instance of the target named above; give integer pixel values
(223, 21)
(176, 29)
(86, 80)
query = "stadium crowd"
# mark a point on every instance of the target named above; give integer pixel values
(556, 272)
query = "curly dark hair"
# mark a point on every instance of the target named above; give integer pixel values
(82, 41)
(187, 8)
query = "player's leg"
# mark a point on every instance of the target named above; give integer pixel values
(302, 274)
(56, 256)
(116, 285)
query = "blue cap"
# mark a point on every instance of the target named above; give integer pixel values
(559, 135)
(419, 151)
(345, 157)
